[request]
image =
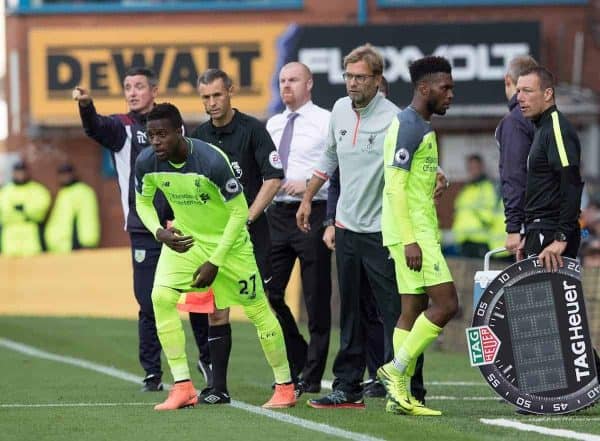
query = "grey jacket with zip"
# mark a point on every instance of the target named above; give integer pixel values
(355, 144)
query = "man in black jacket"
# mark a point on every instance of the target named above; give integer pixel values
(255, 162)
(514, 135)
(125, 136)
(554, 184)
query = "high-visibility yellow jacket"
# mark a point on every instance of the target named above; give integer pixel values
(475, 210)
(74, 220)
(23, 209)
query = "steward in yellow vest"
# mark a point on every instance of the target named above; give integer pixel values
(24, 205)
(74, 221)
(476, 212)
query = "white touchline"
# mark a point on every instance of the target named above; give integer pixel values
(21, 405)
(117, 373)
(561, 433)
(327, 384)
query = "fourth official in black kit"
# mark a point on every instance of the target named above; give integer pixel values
(554, 184)
(255, 162)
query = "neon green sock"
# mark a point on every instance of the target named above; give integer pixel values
(422, 334)
(271, 339)
(170, 330)
(399, 337)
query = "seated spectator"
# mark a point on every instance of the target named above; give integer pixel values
(74, 222)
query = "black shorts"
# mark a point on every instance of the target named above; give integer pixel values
(261, 240)
(537, 240)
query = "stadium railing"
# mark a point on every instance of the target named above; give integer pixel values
(18, 7)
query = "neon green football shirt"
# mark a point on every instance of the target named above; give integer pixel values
(410, 167)
(205, 196)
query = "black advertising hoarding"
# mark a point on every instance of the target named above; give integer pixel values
(479, 53)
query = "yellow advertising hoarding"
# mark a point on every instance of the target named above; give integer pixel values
(62, 58)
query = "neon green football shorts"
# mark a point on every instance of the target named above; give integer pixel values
(238, 281)
(434, 269)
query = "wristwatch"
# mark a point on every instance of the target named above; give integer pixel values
(329, 222)
(559, 236)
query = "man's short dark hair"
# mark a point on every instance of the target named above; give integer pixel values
(166, 111)
(425, 66)
(475, 157)
(145, 71)
(211, 75)
(546, 77)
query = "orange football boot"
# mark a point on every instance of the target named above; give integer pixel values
(181, 395)
(283, 397)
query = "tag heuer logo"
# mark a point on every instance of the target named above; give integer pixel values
(483, 345)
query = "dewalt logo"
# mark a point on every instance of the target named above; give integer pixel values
(60, 59)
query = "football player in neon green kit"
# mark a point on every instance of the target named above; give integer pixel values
(208, 246)
(410, 230)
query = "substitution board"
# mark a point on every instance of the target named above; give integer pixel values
(530, 338)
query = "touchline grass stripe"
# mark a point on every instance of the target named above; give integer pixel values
(126, 376)
(561, 433)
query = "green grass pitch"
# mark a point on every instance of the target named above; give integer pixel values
(44, 399)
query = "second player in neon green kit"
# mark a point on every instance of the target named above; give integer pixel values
(410, 231)
(208, 246)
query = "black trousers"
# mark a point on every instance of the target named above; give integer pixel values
(289, 243)
(367, 282)
(145, 251)
(537, 240)
(259, 235)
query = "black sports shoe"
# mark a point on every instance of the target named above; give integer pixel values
(373, 388)
(310, 388)
(299, 389)
(206, 371)
(213, 396)
(152, 383)
(340, 400)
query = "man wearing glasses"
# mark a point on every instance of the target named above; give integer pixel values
(365, 271)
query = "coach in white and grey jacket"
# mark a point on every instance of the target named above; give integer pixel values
(366, 275)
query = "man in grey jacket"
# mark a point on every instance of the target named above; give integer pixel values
(357, 130)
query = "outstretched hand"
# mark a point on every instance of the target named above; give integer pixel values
(174, 239)
(82, 96)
